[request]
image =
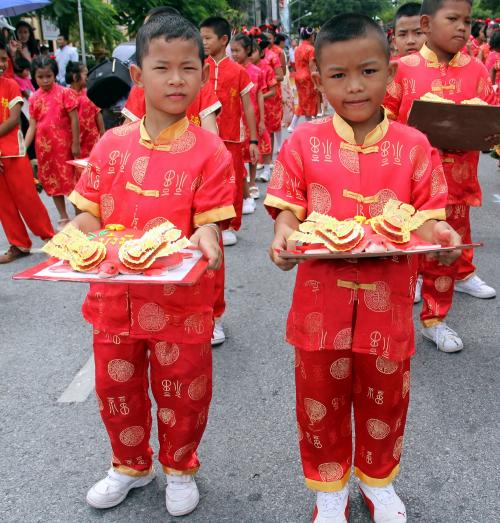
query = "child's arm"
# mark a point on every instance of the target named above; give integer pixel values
(86, 222)
(442, 233)
(250, 116)
(12, 120)
(206, 238)
(99, 120)
(209, 122)
(30, 133)
(262, 124)
(286, 223)
(75, 133)
(270, 93)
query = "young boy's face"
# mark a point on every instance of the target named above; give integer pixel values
(211, 42)
(354, 75)
(171, 74)
(448, 29)
(4, 62)
(408, 35)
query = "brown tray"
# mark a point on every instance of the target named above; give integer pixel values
(318, 254)
(455, 127)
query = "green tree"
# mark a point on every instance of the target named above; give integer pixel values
(99, 20)
(323, 10)
(132, 12)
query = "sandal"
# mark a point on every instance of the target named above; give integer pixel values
(254, 192)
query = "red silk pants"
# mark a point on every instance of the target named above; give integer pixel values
(439, 280)
(18, 200)
(181, 381)
(236, 150)
(329, 384)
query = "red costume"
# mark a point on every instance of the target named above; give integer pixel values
(230, 82)
(53, 138)
(18, 197)
(463, 78)
(307, 93)
(493, 63)
(370, 327)
(259, 86)
(274, 104)
(204, 104)
(87, 114)
(132, 180)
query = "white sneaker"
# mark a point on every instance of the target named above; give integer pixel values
(476, 287)
(181, 495)
(254, 192)
(218, 335)
(229, 238)
(445, 338)
(248, 206)
(113, 489)
(418, 290)
(332, 507)
(384, 504)
(265, 176)
(260, 166)
(290, 129)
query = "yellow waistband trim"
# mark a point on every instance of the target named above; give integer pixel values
(328, 486)
(175, 472)
(143, 192)
(123, 469)
(359, 197)
(377, 482)
(355, 286)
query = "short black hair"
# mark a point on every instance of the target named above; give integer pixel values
(65, 36)
(408, 9)
(41, 63)
(476, 28)
(246, 41)
(495, 41)
(349, 26)
(73, 72)
(3, 45)
(21, 63)
(220, 26)
(431, 7)
(280, 37)
(169, 28)
(162, 10)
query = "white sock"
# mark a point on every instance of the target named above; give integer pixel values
(295, 120)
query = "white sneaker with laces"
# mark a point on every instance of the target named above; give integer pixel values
(248, 206)
(113, 489)
(229, 238)
(384, 504)
(218, 335)
(254, 192)
(266, 174)
(445, 338)
(290, 129)
(476, 287)
(181, 495)
(418, 290)
(332, 507)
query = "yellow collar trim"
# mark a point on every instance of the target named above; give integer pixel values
(166, 137)
(432, 59)
(345, 131)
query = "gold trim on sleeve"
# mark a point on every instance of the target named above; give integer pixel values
(214, 215)
(209, 110)
(15, 101)
(84, 204)
(246, 89)
(376, 482)
(273, 201)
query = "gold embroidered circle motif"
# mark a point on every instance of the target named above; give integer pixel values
(419, 161)
(166, 353)
(107, 206)
(386, 366)
(278, 176)
(315, 410)
(343, 339)
(320, 198)
(377, 429)
(341, 368)
(180, 453)
(152, 317)
(398, 447)
(132, 436)
(378, 300)
(167, 416)
(139, 168)
(198, 388)
(330, 471)
(443, 283)
(120, 370)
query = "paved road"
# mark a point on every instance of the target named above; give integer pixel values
(52, 452)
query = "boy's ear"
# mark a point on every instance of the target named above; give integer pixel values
(225, 40)
(392, 70)
(136, 74)
(205, 74)
(425, 23)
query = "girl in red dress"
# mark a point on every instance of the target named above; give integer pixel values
(307, 93)
(54, 126)
(242, 47)
(89, 115)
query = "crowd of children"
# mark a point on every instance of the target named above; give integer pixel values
(205, 102)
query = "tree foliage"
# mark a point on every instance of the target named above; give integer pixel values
(99, 20)
(323, 10)
(131, 13)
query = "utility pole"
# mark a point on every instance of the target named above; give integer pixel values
(82, 35)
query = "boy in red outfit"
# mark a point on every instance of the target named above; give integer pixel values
(442, 69)
(408, 35)
(18, 197)
(161, 168)
(351, 322)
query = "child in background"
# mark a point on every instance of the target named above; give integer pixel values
(351, 321)
(242, 48)
(89, 115)
(408, 35)
(493, 63)
(18, 198)
(22, 69)
(55, 129)
(232, 86)
(139, 175)
(269, 92)
(442, 69)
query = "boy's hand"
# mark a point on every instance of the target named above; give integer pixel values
(279, 244)
(446, 236)
(254, 153)
(262, 128)
(75, 150)
(205, 238)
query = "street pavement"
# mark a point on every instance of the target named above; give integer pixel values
(53, 452)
